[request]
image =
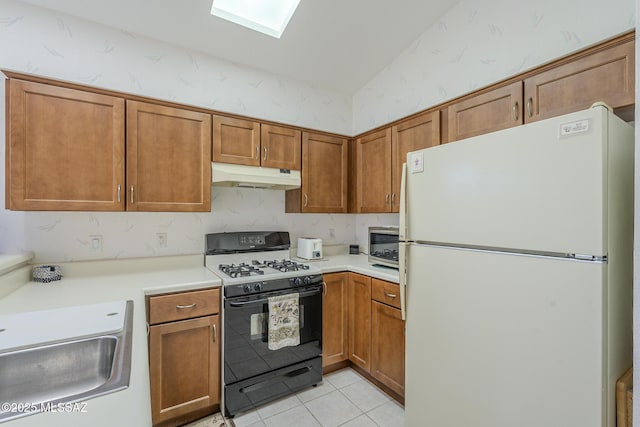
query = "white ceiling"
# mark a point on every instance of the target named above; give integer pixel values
(336, 44)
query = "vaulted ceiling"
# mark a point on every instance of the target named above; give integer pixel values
(335, 44)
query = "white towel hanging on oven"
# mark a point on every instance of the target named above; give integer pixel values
(284, 321)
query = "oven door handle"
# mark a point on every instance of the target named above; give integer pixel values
(317, 291)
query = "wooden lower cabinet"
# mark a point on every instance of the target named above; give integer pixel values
(360, 320)
(335, 345)
(184, 357)
(387, 346)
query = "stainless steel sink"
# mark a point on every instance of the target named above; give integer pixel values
(65, 372)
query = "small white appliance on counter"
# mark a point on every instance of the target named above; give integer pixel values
(309, 248)
(516, 249)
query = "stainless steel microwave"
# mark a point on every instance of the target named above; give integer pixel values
(383, 246)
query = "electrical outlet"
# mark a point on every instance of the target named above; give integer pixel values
(95, 243)
(161, 240)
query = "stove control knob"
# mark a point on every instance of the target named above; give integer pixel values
(297, 281)
(258, 287)
(306, 280)
(246, 288)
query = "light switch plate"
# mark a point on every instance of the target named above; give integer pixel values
(417, 163)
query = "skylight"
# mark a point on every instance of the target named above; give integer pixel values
(266, 16)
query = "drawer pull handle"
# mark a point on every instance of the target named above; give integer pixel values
(180, 307)
(387, 294)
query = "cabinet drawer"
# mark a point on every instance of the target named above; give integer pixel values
(167, 308)
(385, 292)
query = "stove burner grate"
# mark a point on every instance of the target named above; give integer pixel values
(240, 270)
(286, 265)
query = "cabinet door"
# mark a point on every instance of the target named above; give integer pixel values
(280, 147)
(387, 343)
(373, 193)
(415, 134)
(498, 109)
(236, 141)
(168, 159)
(335, 347)
(607, 76)
(360, 320)
(65, 149)
(324, 173)
(184, 367)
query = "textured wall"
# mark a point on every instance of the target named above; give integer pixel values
(39, 41)
(468, 48)
(478, 43)
(56, 45)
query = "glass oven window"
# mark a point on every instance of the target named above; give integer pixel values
(246, 351)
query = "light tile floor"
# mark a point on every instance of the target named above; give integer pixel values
(343, 399)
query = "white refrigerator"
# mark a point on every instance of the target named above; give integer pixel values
(516, 274)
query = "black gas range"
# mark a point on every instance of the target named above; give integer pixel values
(256, 274)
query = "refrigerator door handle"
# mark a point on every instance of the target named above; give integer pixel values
(402, 263)
(402, 229)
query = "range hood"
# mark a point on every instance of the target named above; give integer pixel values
(228, 175)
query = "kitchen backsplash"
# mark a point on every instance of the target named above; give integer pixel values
(67, 236)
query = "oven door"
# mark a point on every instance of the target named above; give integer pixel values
(246, 352)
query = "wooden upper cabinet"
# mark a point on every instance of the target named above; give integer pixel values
(280, 147)
(607, 75)
(168, 159)
(65, 149)
(324, 173)
(236, 141)
(415, 134)
(497, 109)
(245, 142)
(373, 192)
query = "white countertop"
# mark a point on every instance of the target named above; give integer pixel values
(356, 264)
(103, 281)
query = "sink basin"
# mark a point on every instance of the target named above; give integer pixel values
(69, 371)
